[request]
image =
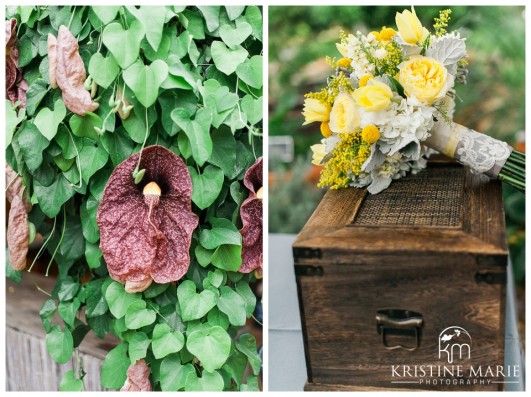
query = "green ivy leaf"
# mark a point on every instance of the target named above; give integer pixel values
(93, 255)
(234, 12)
(173, 374)
(137, 316)
(233, 305)
(216, 317)
(114, 367)
(247, 345)
(206, 186)
(152, 17)
(223, 232)
(46, 312)
(68, 310)
(145, 80)
(87, 211)
(32, 145)
(65, 288)
(254, 17)
(138, 345)
(209, 381)
(226, 59)
(253, 109)
(96, 304)
(59, 344)
(103, 70)
(83, 126)
(228, 257)
(92, 159)
(36, 91)
(252, 384)
(215, 278)
(197, 131)
(194, 305)
(118, 145)
(203, 255)
(224, 152)
(219, 100)
(73, 244)
(251, 71)
(51, 198)
(211, 346)
(234, 35)
(211, 15)
(165, 341)
(119, 300)
(106, 14)
(47, 121)
(247, 294)
(70, 383)
(13, 118)
(124, 45)
(70, 144)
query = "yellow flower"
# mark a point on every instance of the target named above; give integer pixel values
(365, 79)
(344, 63)
(425, 79)
(315, 110)
(345, 116)
(410, 28)
(375, 96)
(386, 34)
(325, 129)
(376, 35)
(370, 134)
(318, 153)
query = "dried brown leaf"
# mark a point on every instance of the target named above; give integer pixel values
(141, 241)
(15, 187)
(17, 234)
(137, 377)
(52, 59)
(16, 86)
(70, 74)
(251, 212)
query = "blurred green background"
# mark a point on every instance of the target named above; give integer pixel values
(492, 101)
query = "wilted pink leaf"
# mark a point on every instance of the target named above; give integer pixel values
(17, 234)
(137, 377)
(146, 229)
(251, 213)
(15, 187)
(52, 59)
(70, 74)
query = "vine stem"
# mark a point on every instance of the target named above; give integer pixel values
(43, 291)
(43, 245)
(144, 143)
(72, 17)
(59, 243)
(78, 161)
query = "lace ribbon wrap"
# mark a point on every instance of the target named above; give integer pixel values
(482, 153)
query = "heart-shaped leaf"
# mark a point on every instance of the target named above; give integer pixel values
(251, 71)
(59, 344)
(234, 12)
(51, 198)
(103, 70)
(119, 300)
(194, 305)
(197, 131)
(145, 80)
(114, 367)
(222, 232)
(209, 381)
(138, 345)
(211, 345)
(83, 126)
(123, 44)
(232, 36)
(92, 159)
(47, 121)
(206, 186)
(152, 17)
(233, 305)
(252, 108)
(173, 374)
(225, 59)
(105, 14)
(166, 342)
(228, 257)
(137, 316)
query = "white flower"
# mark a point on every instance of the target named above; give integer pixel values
(380, 53)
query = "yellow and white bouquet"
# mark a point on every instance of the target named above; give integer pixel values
(388, 90)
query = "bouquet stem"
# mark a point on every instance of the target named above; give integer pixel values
(513, 172)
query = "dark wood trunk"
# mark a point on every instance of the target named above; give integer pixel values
(434, 244)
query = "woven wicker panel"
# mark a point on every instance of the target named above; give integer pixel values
(430, 198)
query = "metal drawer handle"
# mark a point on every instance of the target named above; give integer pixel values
(399, 321)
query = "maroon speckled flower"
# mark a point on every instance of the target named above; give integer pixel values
(251, 214)
(146, 229)
(16, 86)
(137, 377)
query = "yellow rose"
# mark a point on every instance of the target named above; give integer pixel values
(375, 96)
(345, 116)
(315, 110)
(410, 28)
(318, 153)
(424, 79)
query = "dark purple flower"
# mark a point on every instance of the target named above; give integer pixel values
(146, 229)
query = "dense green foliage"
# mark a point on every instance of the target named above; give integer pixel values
(193, 76)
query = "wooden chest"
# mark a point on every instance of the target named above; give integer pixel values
(406, 289)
